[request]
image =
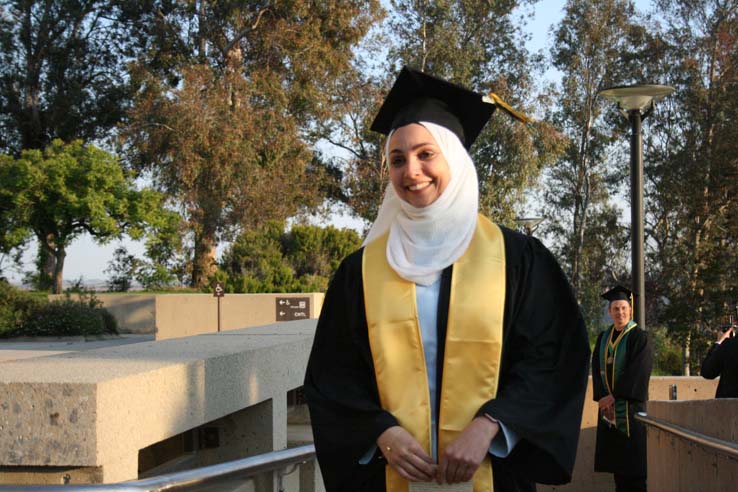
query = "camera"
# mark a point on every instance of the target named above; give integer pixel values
(731, 325)
(725, 327)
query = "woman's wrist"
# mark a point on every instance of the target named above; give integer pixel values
(490, 424)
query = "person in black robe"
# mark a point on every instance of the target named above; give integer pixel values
(620, 386)
(722, 360)
(542, 372)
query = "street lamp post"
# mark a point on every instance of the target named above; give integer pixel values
(636, 102)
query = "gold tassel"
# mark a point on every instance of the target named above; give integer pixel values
(493, 98)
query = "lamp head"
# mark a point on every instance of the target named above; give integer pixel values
(529, 223)
(636, 97)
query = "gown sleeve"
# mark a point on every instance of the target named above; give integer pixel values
(340, 387)
(633, 382)
(545, 363)
(599, 390)
(712, 366)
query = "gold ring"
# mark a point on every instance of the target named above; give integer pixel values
(388, 448)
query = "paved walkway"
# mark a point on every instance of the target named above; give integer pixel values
(26, 348)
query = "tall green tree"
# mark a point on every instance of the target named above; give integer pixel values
(591, 50)
(318, 251)
(354, 162)
(301, 259)
(69, 189)
(693, 192)
(225, 126)
(13, 231)
(63, 73)
(62, 70)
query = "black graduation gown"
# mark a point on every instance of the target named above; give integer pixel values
(615, 452)
(541, 389)
(722, 360)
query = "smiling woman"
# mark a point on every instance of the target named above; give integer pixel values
(443, 343)
(418, 170)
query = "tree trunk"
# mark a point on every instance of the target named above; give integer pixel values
(579, 231)
(59, 269)
(203, 264)
(201, 30)
(685, 356)
(47, 264)
(31, 129)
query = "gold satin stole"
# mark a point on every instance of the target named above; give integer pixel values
(473, 344)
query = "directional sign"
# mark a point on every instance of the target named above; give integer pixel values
(292, 308)
(219, 289)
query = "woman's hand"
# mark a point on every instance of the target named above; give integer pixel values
(406, 455)
(463, 455)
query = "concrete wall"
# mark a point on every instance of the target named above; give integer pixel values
(584, 478)
(181, 315)
(135, 313)
(83, 417)
(677, 465)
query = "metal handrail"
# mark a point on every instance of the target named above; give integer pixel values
(185, 480)
(724, 447)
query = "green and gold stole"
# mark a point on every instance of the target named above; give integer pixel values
(615, 352)
(473, 344)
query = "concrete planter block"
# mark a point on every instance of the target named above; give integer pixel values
(181, 315)
(96, 409)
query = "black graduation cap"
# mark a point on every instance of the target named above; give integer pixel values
(618, 293)
(417, 96)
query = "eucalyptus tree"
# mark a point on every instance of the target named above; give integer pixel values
(231, 94)
(692, 219)
(63, 70)
(63, 74)
(592, 50)
(353, 161)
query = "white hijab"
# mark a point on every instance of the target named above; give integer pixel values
(424, 241)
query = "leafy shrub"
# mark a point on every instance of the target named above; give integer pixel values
(154, 276)
(23, 315)
(110, 324)
(121, 269)
(15, 307)
(271, 259)
(63, 318)
(669, 363)
(667, 355)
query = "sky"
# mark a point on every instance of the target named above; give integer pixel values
(88, 260)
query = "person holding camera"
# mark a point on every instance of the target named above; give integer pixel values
(722, 360)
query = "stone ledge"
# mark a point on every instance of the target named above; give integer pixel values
(97, 408)
(73, 339)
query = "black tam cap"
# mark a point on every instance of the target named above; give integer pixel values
(618, 293)
(417, 96)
